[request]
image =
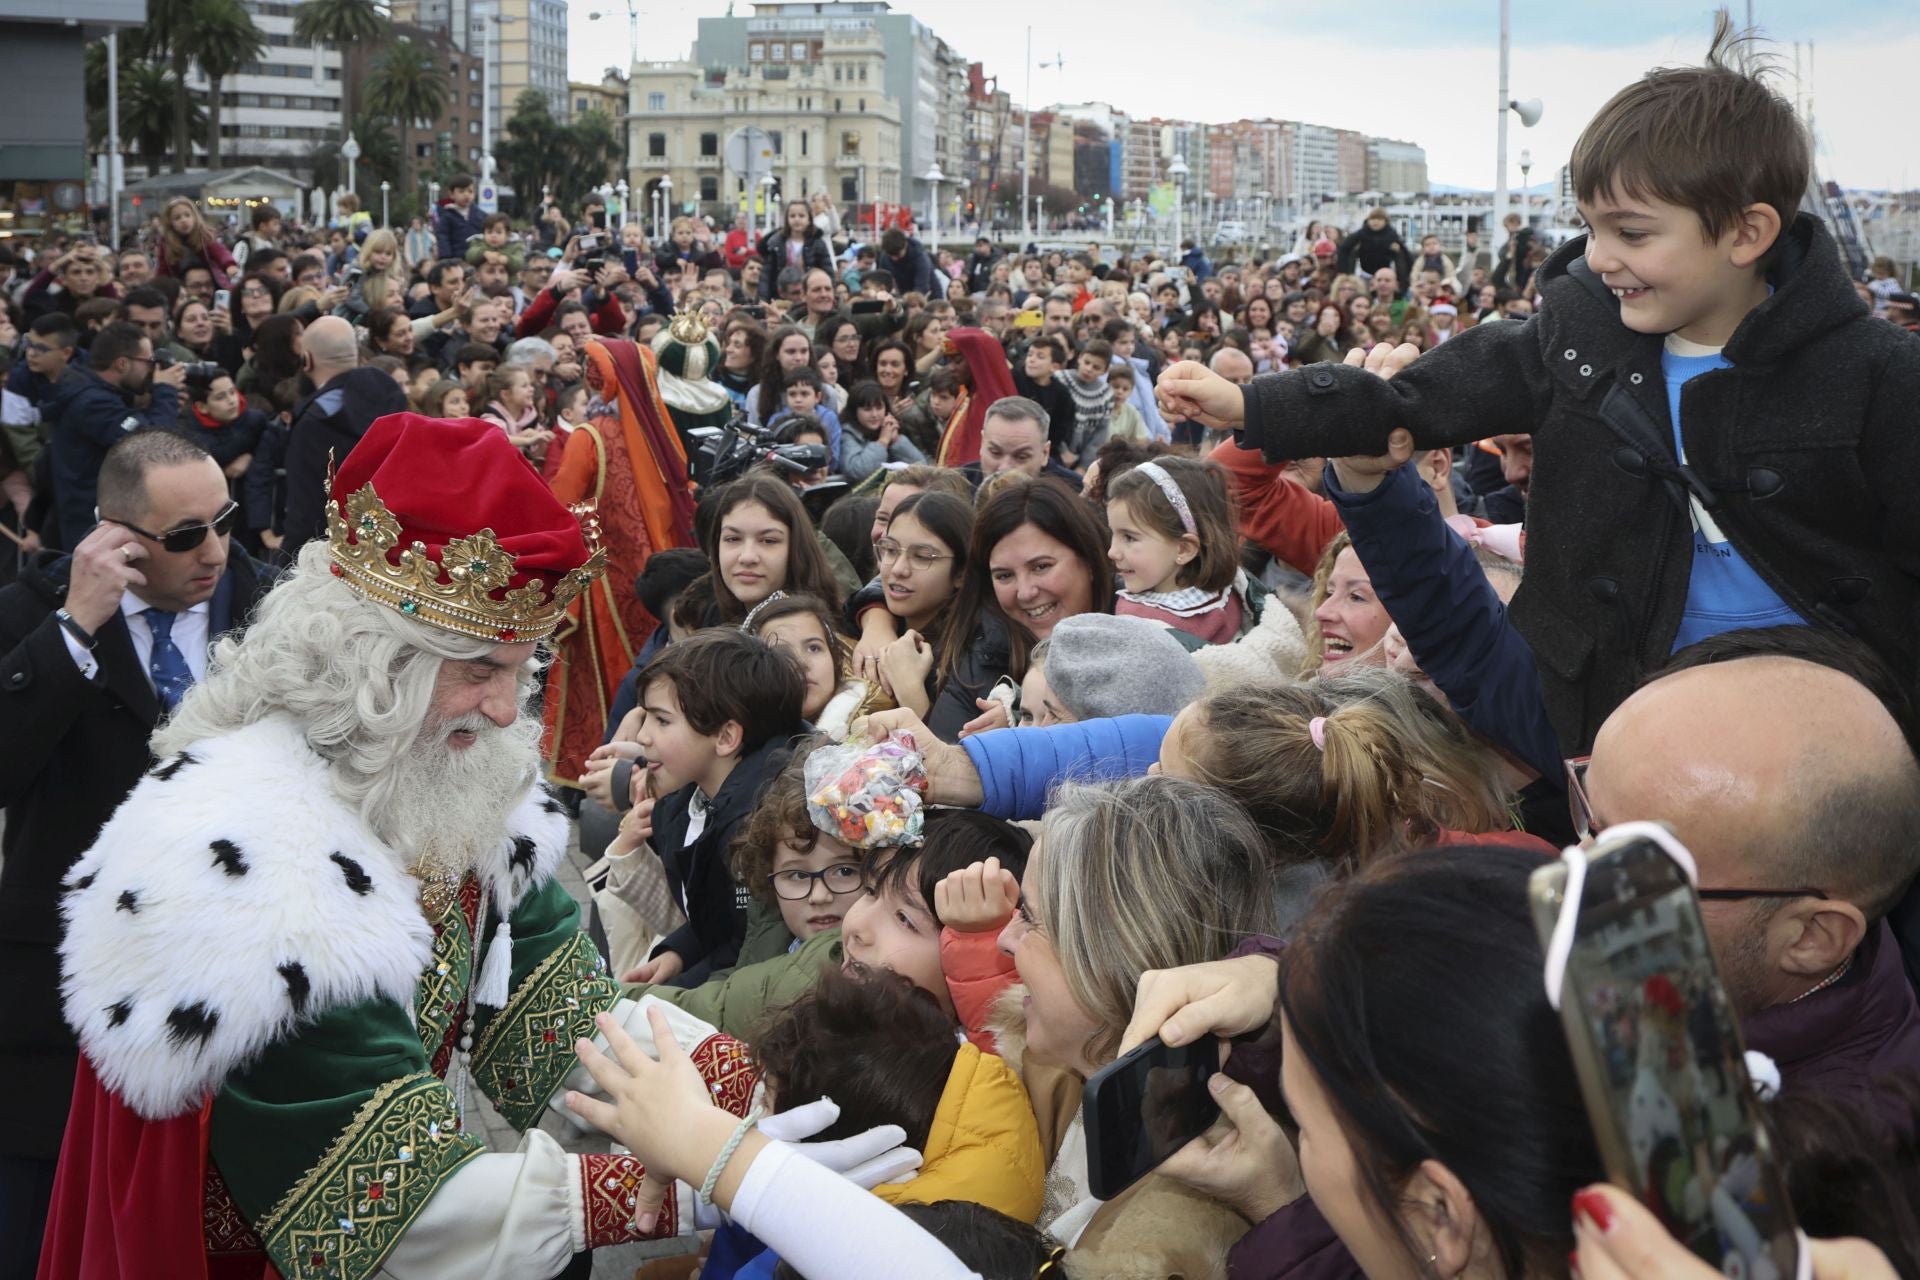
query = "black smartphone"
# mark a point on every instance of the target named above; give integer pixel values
(599, 219)
(631, 258)
(754, 309)
(1658, 1052)
(867, 306)
(1142, 1108)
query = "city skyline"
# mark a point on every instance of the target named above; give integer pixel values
(1426, 80)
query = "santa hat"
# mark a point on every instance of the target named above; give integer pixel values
(1443, 308)
(443, 521)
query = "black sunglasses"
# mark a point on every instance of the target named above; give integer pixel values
(186, 539)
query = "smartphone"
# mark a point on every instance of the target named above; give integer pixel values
(754, 309)
(631, 257)
(589, 242)
(599, 219)
(1142, 1108)
(867, 306)
(1661, 1064)
(221, 299)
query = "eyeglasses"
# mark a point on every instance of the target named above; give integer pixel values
(797, 886)
(186, 539)
(1585, 826)
(887, 551)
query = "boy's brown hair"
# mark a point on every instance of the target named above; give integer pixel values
(1713, 139)
(721, 675)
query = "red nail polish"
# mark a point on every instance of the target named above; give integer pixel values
(1595, 1208)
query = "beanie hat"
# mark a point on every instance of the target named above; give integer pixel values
(1101, 665)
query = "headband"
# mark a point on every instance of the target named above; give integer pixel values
(1158, 474)
(746, 623)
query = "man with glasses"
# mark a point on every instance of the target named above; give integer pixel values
(93, 407)
(1798, 794)
(95, 650)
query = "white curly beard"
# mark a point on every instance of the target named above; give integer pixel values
(445, 806)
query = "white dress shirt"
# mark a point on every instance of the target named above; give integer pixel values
(189, 635)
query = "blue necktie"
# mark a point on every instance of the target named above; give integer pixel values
(172, 677)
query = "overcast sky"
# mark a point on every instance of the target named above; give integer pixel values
(1426, 72)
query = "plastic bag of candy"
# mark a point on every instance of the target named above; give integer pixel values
(868, 794)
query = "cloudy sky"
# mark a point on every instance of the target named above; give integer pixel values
(1426, 72)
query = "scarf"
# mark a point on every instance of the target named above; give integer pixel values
(625, 372)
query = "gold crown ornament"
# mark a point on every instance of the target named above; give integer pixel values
(468, 590)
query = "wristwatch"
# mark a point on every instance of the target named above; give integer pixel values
(74, 629)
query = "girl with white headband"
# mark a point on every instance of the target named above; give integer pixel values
(1176, 551)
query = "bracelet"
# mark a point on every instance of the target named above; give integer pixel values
(73, 628)
(720, 1161)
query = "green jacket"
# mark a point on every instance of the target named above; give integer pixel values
(739, 1001)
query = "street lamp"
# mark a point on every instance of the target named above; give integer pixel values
(934, 179)
(666, 204)
(1526, 196)
(1040, 215)
(766, 200)
(385, 187)
(621, 189)
(1266, 209)
(490, 23)
(1529, 113)
(1177, 170)
(350, 152)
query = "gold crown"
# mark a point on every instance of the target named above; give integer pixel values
(457, 592)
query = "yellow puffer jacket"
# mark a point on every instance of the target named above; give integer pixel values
(984, 1145)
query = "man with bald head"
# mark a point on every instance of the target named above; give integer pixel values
(1798, 794)
(345, 400)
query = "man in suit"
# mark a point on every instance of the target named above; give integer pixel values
(94, 649)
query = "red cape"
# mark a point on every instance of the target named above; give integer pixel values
(129, 1198)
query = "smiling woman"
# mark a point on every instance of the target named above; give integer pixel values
(759, 541)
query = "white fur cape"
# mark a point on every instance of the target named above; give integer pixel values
(233, 896)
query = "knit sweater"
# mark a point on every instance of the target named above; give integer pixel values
(1092, 413)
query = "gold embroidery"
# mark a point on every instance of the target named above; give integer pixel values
(527, 1048)
(345, 1215)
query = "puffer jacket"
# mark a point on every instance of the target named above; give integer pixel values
(1803, 450)
(984, 1145)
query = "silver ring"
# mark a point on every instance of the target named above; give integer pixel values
(126, 552)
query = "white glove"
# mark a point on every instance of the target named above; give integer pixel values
(866, 1159)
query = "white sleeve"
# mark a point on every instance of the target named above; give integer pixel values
(500, 1215)
(632, 1017)
(785, 1197)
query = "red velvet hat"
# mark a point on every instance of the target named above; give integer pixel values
(443, 520)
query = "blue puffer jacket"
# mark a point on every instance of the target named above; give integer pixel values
(89, 415)
(1019, 767)
(1432, 586)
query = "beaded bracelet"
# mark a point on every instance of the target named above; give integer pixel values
(720, 1161)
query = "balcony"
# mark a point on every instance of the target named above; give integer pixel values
(706, 162)
(845, 161)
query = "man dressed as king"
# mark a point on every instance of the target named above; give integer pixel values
(330, 909)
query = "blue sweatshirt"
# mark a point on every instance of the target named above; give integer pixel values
(1724, 592)
(1019, 767)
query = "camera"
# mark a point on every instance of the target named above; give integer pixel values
(196, 370)
(727, 453)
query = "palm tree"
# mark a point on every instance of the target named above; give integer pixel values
(340, 23)
(379, 158)
(148, 96)
(407, 83)
(224, 40)
(170, 33)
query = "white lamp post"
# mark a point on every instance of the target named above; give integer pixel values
(934, 179)
(1177, 170)
(385, 187)
(1529, 113)
(666, 203)
(766, 201)
(1266, 209)
(1526, 196)
(1040, 215)
(621, 189)
(350, 152)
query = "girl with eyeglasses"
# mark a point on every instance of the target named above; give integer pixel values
(923, 560)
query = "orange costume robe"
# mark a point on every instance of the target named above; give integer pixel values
(987, 379)
(627, 463)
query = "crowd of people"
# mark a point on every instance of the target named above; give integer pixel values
(1246, 663)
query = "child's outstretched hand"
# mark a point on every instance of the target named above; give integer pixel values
(977, 899)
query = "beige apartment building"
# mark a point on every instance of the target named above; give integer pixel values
(819, 100)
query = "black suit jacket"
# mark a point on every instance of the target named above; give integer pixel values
(71, 750)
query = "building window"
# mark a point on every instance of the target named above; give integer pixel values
(656, 146)
(709, 187)
(580, 105)
(473, 101)
(473, 126)
(850, 144)
(756, 52)
(863, 106)
(777, 52)
(709, 144)
(849, 188)
(473, 74)
(803, 142)
(656, 102)
(799, 53)
(863, 73)
(776, 141)
(837, 69)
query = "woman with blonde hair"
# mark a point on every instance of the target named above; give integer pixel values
(187, 241)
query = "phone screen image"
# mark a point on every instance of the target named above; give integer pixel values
(1661, 1062)
(1144, 1107)
(631, 259)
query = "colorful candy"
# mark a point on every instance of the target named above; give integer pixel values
(868, 795)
